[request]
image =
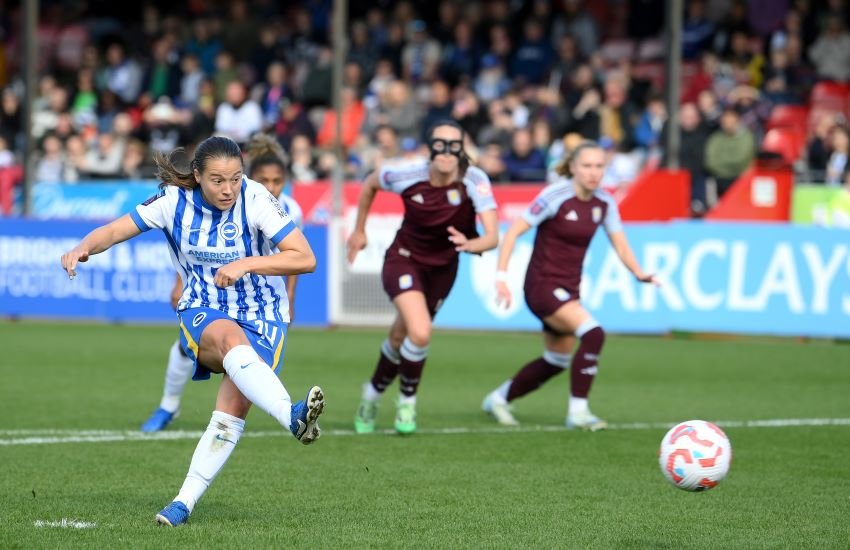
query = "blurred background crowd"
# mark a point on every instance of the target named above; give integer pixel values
(525, 79)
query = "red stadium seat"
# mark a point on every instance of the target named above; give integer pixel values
(830, 95)
(795, 117)
(786, 142)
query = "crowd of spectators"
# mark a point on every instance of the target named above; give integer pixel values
(525, 79)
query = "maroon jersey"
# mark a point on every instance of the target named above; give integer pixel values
(565, 227)
(429, 211)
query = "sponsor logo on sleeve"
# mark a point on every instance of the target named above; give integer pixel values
(538, 207)
(153, 198)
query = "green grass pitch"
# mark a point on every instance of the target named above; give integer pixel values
(475, 487)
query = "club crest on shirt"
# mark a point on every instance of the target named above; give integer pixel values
(453, 196)
(561, 294)
(596, 214)
(229, 231)
(405, 281)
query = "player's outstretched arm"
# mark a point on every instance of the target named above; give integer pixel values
(295, 257)
(357, 240)
(517, 228)
(624, 252)
(99, 240)
(488, 241)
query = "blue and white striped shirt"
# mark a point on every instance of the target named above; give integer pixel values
(203, 238)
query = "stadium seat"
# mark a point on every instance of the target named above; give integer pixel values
(786, 142)
(830, 95)
(795, 117)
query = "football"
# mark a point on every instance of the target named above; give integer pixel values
(695, 455)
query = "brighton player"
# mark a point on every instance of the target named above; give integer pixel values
(222, 229)
(566, 215)
(441, 199)
(267, 165)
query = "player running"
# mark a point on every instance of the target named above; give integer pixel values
(566, 214)
(441, 199)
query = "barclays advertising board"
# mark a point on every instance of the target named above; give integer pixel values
(730, 278)
(130, 282)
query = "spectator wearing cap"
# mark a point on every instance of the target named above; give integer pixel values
(729, 150)
(421, 57)
(491, 83)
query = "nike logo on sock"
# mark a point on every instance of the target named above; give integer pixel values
(218, 436)
(245, 366)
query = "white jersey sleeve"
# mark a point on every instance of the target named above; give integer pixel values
(547, 203)
(158, 211)
(266, 213)
(293, 209)
(479, 189)
(398, 177)
(612, 222)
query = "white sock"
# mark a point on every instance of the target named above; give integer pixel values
(578, 405)
(369, 392)
(407, 399)
(258, 383)
(501, 393)
(176, 375)
(211, 454)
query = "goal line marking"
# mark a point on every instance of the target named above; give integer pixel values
(55, 436)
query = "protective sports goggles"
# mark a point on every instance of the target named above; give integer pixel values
(439, 146)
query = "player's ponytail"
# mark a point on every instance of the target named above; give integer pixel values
(213, 147)
(564, 168)
(264, 150)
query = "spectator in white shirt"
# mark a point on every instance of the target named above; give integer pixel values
(237, 117)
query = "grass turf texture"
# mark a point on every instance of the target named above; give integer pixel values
(788, 487)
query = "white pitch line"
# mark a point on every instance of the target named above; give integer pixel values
(51, 436)
(65, 523)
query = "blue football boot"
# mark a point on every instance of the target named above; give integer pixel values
(305, 416)
(173, 515)
(159, 420)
